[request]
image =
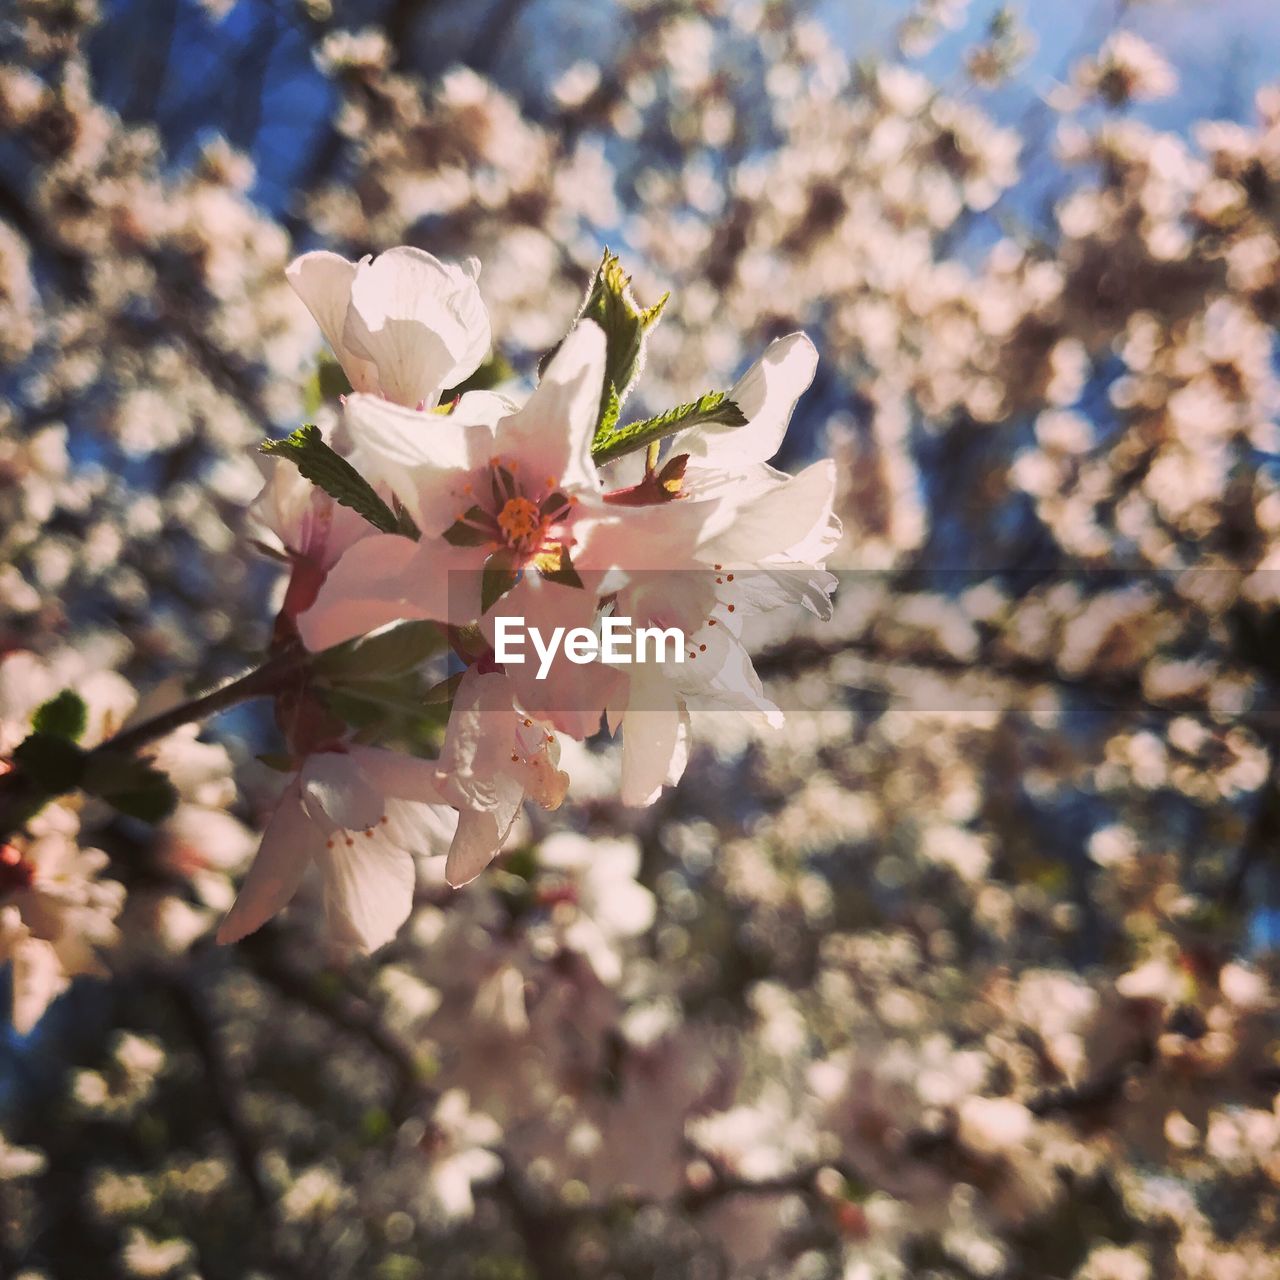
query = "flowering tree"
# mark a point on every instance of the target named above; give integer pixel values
(918, 930)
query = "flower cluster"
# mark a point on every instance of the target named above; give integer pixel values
(518, 510)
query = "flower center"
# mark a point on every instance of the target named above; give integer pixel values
(519, 520)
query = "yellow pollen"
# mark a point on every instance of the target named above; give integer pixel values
(519, 519)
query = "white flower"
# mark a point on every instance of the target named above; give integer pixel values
(607, 903)
(360, 814)
(56, 915)
(761, 542)
(403, 325)
(461, 1142)
(19, 1162)
(494, 756)
(989, 1126)
(144, 1255)
(296, 517)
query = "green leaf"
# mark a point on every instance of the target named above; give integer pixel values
(395, 710)
(712, 409)
(444, 693)
(306, 449)
(391, 650)
(499, 576)
(610, 411)
(496, 370)
(612, 305)
(131, 786)
(64, 716)
(53, 763)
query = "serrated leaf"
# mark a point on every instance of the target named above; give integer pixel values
(329, 471)
(129, 785)
(64, 716)
(53, 763)
(610, 411)
(498, 577)
(713, 408)
(389, 651)
(612, 305)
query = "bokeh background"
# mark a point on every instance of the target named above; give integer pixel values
(969, 971)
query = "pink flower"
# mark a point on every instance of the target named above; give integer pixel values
(494, 758)
(508, 509)
(360, 814)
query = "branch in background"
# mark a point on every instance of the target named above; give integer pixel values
(223, 1088)
(794, 657)
(19, 792)
(349, 1013)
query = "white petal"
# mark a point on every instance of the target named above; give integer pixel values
(289, 843)
(723, 678)
(775, 515)
(766, 394)
(334, 788)
(425, 459)
(368, 587)
(420, 321)
(650, 737)
(368, 890)
(479, 738)
(551, 436)
(38, 979)
(770, 586)
(395, 774)
(323, 281)
(416, 815)
(477, 841)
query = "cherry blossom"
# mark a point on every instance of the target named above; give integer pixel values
(403, 325)
(361, 814)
